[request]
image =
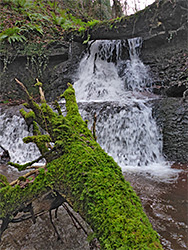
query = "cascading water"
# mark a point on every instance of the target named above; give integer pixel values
(12, 130)
(125, 126)
(135, 74)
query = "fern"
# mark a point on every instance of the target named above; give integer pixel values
(33, 17)
(92, 23)
(12, 35)
(25, 4)
(53, 5)
(67, 25)
(32, 27)
(58, 20)
(77, 21)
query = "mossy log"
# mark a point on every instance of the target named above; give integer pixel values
(86, 176)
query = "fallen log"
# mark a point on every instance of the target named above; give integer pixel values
(83, 174)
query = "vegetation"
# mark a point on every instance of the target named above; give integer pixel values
(79, 169)
(42, 21)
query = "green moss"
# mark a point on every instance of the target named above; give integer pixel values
(27, 115)
(37, 139)
(89, 178)
(3, 181)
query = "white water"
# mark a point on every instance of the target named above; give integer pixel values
(125, 126)
(135, 73)
(12, 130)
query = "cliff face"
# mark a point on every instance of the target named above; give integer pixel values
(54, 65)
(172, 117)
(162, 19)
(168, 61)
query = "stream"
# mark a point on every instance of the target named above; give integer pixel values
(117, 92)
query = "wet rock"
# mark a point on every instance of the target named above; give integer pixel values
(55, 68)
(168, 63)
(4, 155)
(24, 232)
(41, 235)
(175, 90)
(172, 117)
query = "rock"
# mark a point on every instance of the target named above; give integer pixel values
(159, 21)
(4, 155)
(176, 90)
(168, 62)
(41, 235)
(172, 117)
(55, 67)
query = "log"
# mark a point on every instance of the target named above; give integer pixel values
(163, 19)
(84, 175)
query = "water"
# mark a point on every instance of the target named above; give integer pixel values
(125, 126)
(12, 130)
(136, 75)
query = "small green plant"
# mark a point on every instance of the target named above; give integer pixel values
(12, 35)
(53, 5)
(81, 29)
(58, 20)
(33, 17)
(25, 4)
(88, 38)
(92, 23)
(32, 27)
(77, 21)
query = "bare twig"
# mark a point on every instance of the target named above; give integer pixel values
(24, 176)
(94, 126)
(23, 87)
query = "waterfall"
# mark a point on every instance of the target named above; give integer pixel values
(112, 88)
(115, 90)
(136, 75)
(12, 130)
(98, 76)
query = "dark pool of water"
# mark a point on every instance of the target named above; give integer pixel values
(166, 205)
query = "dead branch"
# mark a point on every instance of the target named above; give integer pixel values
(24, 176)
(42, 97)
(94, 127)
(23, 87)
